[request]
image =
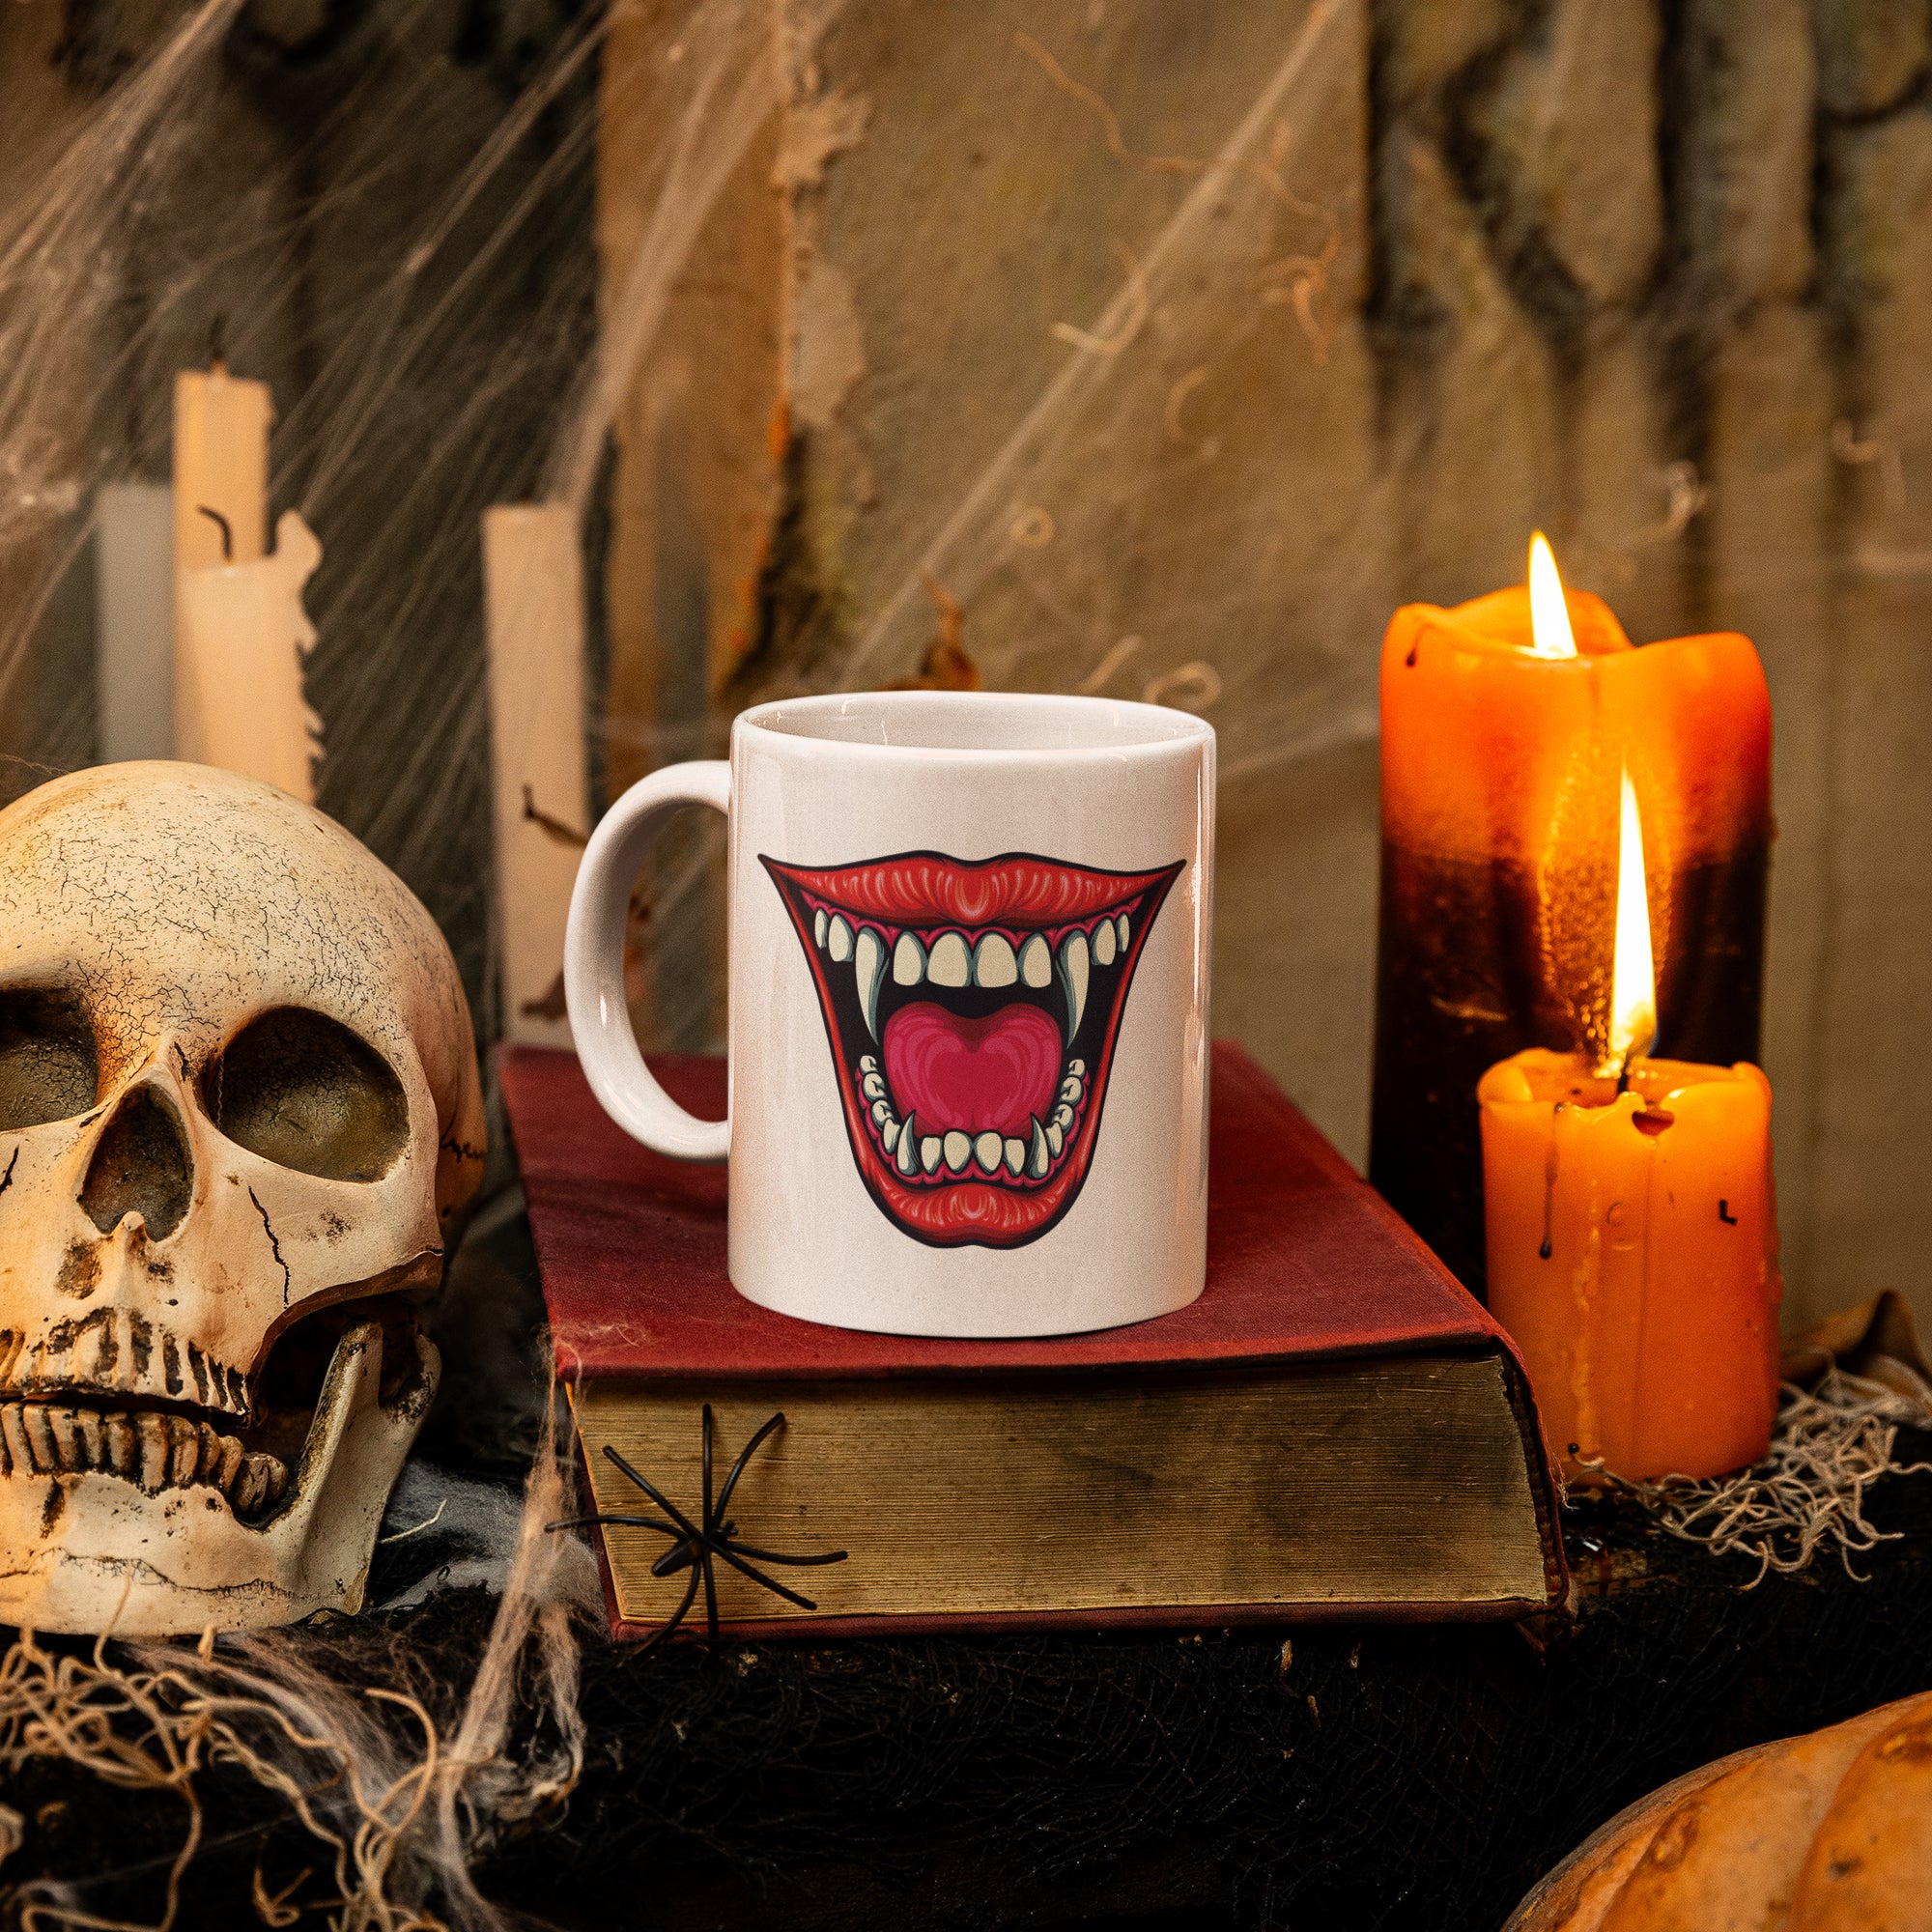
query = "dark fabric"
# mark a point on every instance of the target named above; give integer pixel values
(1410, 1777)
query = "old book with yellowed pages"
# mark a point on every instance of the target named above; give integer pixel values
(1334, 1429)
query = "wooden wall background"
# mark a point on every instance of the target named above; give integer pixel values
(1653, 274)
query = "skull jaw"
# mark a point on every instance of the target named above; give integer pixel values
(112, 1558)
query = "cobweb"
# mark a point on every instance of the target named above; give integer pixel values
(456, 358)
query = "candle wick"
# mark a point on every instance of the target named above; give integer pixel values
(217, 355)
(1548, 1248)
(222, 522)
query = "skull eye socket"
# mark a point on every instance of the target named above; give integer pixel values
(304, 1092)
(49, 1069)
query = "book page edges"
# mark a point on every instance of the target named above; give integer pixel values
(1397, 1487)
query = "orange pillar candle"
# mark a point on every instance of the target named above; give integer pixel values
(1633, 1237)
(1502, 741)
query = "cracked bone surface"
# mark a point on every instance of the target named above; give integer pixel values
(240, 1118)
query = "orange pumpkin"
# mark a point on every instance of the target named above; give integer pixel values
(1830, 1833)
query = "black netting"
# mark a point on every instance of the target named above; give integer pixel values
(1420, 1777)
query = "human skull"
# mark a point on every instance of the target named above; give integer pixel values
(238, 1117)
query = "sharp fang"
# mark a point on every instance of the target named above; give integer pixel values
(947, 963)
(1056, 1137)
(987, 1150)
(908, 960)
(958, 1150)
(818, 928)
(868, 964)
(929, 1152)
(839, 940)
(993, 962)
(1016, 1153)
(1073, 970)
(909, 1150)
(1040, 1159)
(1103, 943)
(1037, 962)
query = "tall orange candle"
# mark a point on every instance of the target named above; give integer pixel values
(1633, 1237)
(1501, 749)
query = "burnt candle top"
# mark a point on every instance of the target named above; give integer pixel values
(1493, 752)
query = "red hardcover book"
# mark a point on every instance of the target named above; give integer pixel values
(1335, 1428)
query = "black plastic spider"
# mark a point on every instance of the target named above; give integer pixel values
(697, 1543)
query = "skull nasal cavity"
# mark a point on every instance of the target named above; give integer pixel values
(141, 1164)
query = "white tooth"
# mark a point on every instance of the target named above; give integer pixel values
(947, 964)
(908, 960)
(1070, 1090)
(909, 1150)
(868, 964)
(1036, 1161)
(1103, 943)
(1123, 932)
(872, 1087)
(1073, 979)
(958, 1150)
(866, 1064)
(1037, 961)
(72, 1452)
(186, 1457)
(1063, 1116)
(993, 962)
(40, 1438)
(889, 1133)
(1016, 1156)
(839, 940)
(92, 1444)
(1056, 1137)
(13, 1427)
(881, 1113)
(157, 1451)
(819, 927)
(987, 1150)
(1078, 1066)
(928, 1153)
(124, 1449)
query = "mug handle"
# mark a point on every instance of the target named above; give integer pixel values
(594, 961)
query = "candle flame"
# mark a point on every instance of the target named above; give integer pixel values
(1549, 615)
(1633, 972)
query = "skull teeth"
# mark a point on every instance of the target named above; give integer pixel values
(156, 1451)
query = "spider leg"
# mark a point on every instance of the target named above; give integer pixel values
(773, 1556)
(709, 1520)
(677, 1616)
(745, 1455)
(710, 1597)
(628, 1521)
(776, 1589)
(656, 1495)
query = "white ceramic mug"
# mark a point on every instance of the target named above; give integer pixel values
(969, 1006)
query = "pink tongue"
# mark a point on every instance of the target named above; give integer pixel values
(999, 1072)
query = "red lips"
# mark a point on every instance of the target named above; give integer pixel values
(972, 1008)
(930, 888)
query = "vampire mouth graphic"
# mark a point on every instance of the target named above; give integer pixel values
(972, 1009)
